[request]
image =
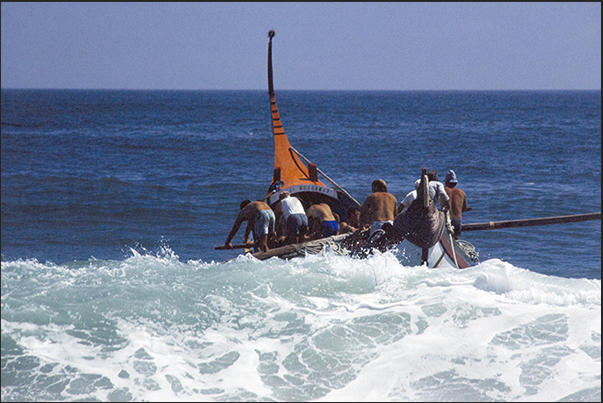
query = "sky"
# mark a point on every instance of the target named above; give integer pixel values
(318, 46)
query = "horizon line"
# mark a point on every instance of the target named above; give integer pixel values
(313, 90)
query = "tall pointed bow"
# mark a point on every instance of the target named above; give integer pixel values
(288, 167)
(270, 80)
(277, 125)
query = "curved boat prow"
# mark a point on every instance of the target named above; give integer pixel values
(423, 191)
(421, 223)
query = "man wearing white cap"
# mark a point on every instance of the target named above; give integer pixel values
(458, 202)
(436, 192)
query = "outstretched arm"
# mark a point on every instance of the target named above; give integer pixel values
(234, 230)
(247, 232)
(465, 207)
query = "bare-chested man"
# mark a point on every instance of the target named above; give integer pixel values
(260, 219)
(379, 207)
(321, 221)
(458, 202)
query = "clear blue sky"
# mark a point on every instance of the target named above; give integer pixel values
(318, 46)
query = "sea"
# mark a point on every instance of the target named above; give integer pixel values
(113, 202)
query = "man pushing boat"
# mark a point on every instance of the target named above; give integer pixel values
(260, 218)
(321, 221)
(379, 208)
(292, 218)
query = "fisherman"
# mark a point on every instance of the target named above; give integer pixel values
(379, 208)
(293, 217)
(409, 198)
(260, 218)
(458, 202)
(321, 221)
(437, 191)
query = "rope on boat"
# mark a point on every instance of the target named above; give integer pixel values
(453, 251)
(326, 177)
(316, 248)
(469, 249)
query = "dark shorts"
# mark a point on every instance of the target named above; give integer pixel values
(297, 224)
(329, 228)
(457, 226)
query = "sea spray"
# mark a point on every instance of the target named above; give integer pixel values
(325, 327)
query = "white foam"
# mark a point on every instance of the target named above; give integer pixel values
(325, 328)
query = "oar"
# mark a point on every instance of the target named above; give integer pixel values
(235, 246)
(530, 222)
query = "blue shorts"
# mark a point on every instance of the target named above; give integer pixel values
(329, 228)
(264, 223)
(297, 224)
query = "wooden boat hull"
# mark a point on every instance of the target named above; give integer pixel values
(334, 243)
(447, 252)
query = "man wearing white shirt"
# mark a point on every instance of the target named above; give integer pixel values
(293, 218)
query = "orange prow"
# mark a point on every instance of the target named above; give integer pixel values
(288, 167)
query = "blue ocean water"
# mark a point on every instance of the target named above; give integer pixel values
(113, 201)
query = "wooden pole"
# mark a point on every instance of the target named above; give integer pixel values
(235, 246)
(530, 222)
(327, 178)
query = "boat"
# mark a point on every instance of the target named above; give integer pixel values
(420, 235)
(295, 174)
